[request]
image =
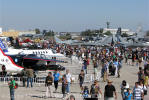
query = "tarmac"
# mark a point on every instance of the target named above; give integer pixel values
(38, 92)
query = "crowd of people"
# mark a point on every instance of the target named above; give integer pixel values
(108, 61)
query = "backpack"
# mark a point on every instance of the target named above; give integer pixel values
(145, 91)
(16, 86)
(141, 76)
(92, 91)
(49, 80)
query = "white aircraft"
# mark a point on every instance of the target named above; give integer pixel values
(12, 67)
(14, 63)
(48, 52)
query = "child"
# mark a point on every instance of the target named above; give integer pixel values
(85, 92)
(128, 95)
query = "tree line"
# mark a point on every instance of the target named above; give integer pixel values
(90, 32)
(44, 32)
(87, 32)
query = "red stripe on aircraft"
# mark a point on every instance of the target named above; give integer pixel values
(10, 59)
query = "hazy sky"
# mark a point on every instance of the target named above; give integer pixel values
(73, 15)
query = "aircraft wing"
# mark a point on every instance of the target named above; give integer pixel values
(43, 59)
(64, 42)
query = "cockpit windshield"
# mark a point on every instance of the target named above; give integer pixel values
(17, 60)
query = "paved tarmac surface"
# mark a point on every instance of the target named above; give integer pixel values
(128, 73)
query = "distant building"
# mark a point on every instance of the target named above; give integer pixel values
(10, 33)
(15, 33)
(114, 31)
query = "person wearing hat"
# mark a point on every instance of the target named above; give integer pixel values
(109, 90)
(95, 90)
(11, 87)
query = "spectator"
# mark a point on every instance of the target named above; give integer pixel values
(126, 58)
(146, 72)
(119, 68)
(85, 65)
(30, 75)
(56, 79)
(133, 58)
(141, 75)
(105, 73)
(115, 63)
(109, 90)
(64, 84)
(143, 87)
(95, 90)
(24, 74)
(146, 69)
(140, 61)
(124, 86)
(102, 70)
(137, 92)
(81, 79)
(71, 97)
(4, 72)
(11, 87)
(68, 77)
(128, 94)
(95, 65)
(146, 81)
(48, 84)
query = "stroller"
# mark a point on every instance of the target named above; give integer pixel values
(85, 93)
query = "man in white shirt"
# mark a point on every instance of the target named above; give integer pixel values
(68, 77)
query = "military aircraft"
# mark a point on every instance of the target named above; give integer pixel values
(16, 63)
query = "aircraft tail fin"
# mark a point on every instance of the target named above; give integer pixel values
(2, 46)
(58, 40)
(118, 34)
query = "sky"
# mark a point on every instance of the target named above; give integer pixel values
(73, 15)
